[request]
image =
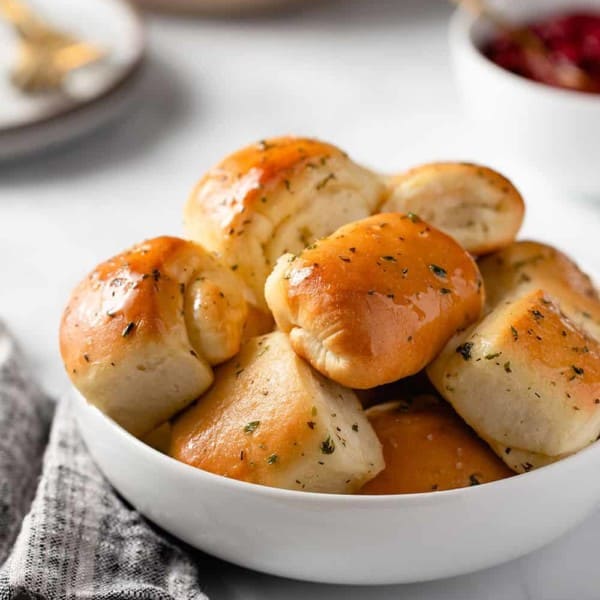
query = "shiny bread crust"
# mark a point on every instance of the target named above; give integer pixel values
(271, 419)
(525, 377)
(376, 300)
(277, 196)
(528, 265)
(428, 447)
(476, 205)
(140, 333)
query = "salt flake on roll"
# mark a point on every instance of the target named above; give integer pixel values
(377, 300)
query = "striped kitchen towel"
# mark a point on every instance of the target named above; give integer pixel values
(64, 532)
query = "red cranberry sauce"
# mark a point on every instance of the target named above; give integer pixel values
(572, 38)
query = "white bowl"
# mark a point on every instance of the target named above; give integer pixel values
(342, 538)
(555, 131)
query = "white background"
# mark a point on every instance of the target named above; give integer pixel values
(374, 78)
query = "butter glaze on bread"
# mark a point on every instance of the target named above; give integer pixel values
(525, 378)
(428, 447)
(525, 266)
(274, 197)
(476, 205)
(141, 332)
(271, 419)
(375, 301)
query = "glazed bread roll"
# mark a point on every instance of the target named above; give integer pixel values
(477, 206)
(159, 438)
(375, 301)
(141, 332)
(427, 447)
(529, 265)
(525, 378)
(258, 321)
(274, 197)
(271, 419)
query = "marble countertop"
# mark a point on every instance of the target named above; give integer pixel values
(373, 77)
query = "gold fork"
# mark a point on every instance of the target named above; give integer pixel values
(46, 54)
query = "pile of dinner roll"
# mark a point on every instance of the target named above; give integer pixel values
(327, 328)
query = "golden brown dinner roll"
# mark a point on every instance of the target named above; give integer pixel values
(277, 196)
(428, 447)
(525, 378)
(375, 301)
(140, 332)
(258, 322)
(529, 265)
(271, 419)
(159, 438)
(477, 206)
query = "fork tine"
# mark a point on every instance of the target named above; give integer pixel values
(47, 55)
(77, 55)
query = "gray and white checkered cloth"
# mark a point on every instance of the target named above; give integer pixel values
(64, 532)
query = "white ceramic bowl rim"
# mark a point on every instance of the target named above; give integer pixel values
(361, 499)
(462, 30)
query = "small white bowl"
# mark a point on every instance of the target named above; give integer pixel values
(555, 131)
(342, 538)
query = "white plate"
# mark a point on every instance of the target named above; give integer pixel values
(342, 538)
(33, 122)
